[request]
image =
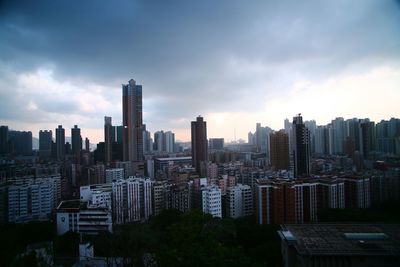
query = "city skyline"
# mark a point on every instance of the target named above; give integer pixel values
(235, 64)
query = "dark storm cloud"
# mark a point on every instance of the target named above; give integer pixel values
(196, 56)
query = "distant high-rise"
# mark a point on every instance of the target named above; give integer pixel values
(60, 142)
(147, 144)
(45, 139)
(365, 137)
(164, 141)
(119, 130)
(302, 149)
(159, 141)
(289, 132)
(262, 139)
(311, 126)
(20, 142)
(322, 140)
(108, 139)
(216, 143)
(169, 141)
(3, 139)
(337, 135)
(199, 142)
(132, 111)
(87, 144)
(76, 140)
(279, 150)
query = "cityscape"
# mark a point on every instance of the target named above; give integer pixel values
(178, 183)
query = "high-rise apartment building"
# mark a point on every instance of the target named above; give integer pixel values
(357, 191)
(114, 175)
(159, 141)
(199, 143)
(164, 141)
(60, 142)
(108, 128)
(3, 139)
(132, 200)
(321, 140)
(87, 144)
(262, 139)
(169, 142)
(279, 150)
(216, 143)
(45, 139)
(302, 149)
(147, 141)
(211, 200)
(33, 199)
(132, 116)
(20, 142)
(76, 140)
(96, 174)
(239, 201)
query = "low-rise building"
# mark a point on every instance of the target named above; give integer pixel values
(355, 245)
(82, 217)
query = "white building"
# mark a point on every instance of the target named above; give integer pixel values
(97, 194)
(132, 200)
(239, 201)
(75, 216)
(33, 199)
(211, 200)
(114, 174)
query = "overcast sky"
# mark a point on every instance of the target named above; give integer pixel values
(233, 62)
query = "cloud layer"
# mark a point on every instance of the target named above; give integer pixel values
(235, 62)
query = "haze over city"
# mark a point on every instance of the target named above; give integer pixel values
(233, 62)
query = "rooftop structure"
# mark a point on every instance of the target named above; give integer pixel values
(376, 244)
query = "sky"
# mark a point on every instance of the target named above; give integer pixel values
(235, 63)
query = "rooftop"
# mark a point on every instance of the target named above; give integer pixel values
(69, 204)
(343, 239)
(174, 158)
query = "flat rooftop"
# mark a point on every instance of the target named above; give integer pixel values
(174, 158)
(343, 239)
(69, 205)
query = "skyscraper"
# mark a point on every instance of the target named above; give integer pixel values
(199, 142)
(132, 111)
(20, 142)
(302, 149)
(119, 132)
(279, 150)
(108, 139)
(76, 140)
(60, 142)
(159, 142)
(169, 141)
(262, 139)
(146, 140)
(3, 139)
(87, 144)
(45, 139)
